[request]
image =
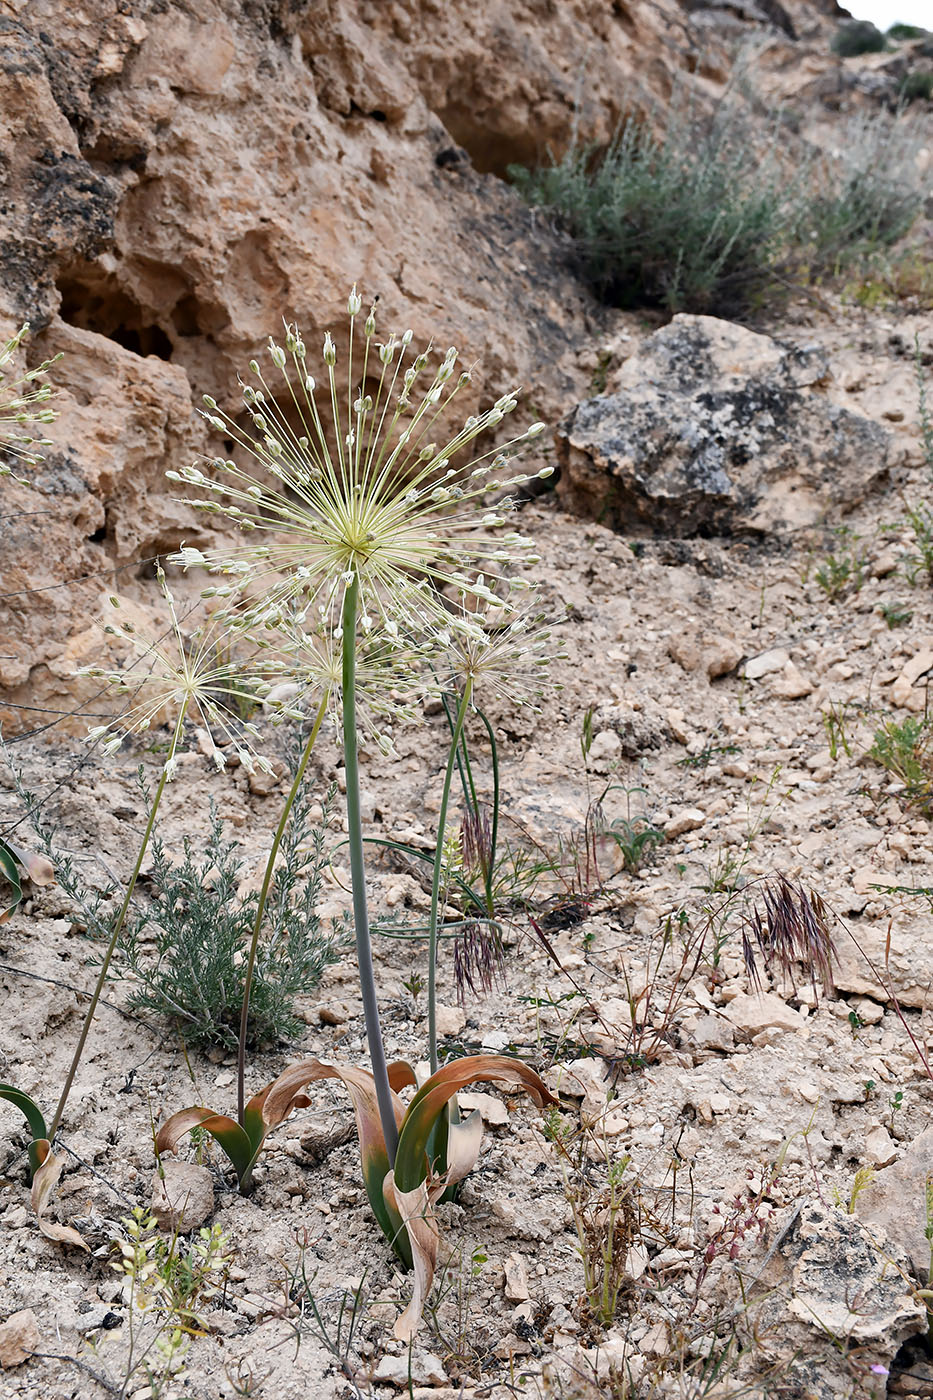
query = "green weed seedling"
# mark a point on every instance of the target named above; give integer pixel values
(905, 749)
(918, 563)
(896, 614)
(844, 571)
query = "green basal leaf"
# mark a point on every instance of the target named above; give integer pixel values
(11, 874)
(33, 1115)
(411, 1163)
(226, 1132)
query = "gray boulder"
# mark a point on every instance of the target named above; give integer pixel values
(712, 429)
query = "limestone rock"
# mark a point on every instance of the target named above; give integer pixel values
(683, 820)
(896, 961)
(420, 1368)
(879, 1148)
(493, 1111)
(828, 1276)
(516, 1279)
(712, 427)
(832, 1252)
(19, 1338)
(709, 652)
(752, 1013)
(450, 1020)
(766, 663)
(896, 1201)
(183, 1197)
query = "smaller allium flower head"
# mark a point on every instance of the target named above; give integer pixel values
(363, 484)
(496, 649)
(176, 675)
(24, 401)
(302, 666)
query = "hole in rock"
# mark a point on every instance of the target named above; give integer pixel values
(92, 301)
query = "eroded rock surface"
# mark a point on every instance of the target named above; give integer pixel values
(711, 428)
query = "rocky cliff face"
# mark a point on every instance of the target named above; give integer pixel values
(179, 174)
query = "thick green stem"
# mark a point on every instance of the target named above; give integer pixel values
(261, 906)
(117, 928)
(364, 952)
(457, 731)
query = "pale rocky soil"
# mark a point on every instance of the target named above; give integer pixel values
(734, 1078)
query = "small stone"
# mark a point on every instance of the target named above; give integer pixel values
(182, 1197)
(678, 726)
(901, 692)
(19, 1338)
(421, 1368)
(867, 1010)
(792, 684)
(683, 820)
(261, 784)
(917, 666)
(879, 1148)
(766, 663)
(604, 751)
(810, 1093)
(720, 1103)
(450, 1020)
(516, 1279)
(885, 564)
(656, 1341)
(493, 1110)
(333, 1014)
(720, 656)
(752, 1013)
(711, 1031)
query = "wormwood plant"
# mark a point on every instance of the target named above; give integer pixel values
(705, 217)
(690, 219)
(185, 951)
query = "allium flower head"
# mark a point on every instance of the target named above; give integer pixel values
(496, 651)
(390, 675)
(363, 484)
(23, 402)
(187, 674)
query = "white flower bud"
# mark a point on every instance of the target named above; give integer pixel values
(330, 352)
(545, 472)
(354, 302)
(211, 403)
(535, 430)
(277, 353)
(369, 327)
(254, 367)
(406, 340)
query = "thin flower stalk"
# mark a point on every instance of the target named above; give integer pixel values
(263, 897)
(456, 734)
(364, 953)
(174, 677)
